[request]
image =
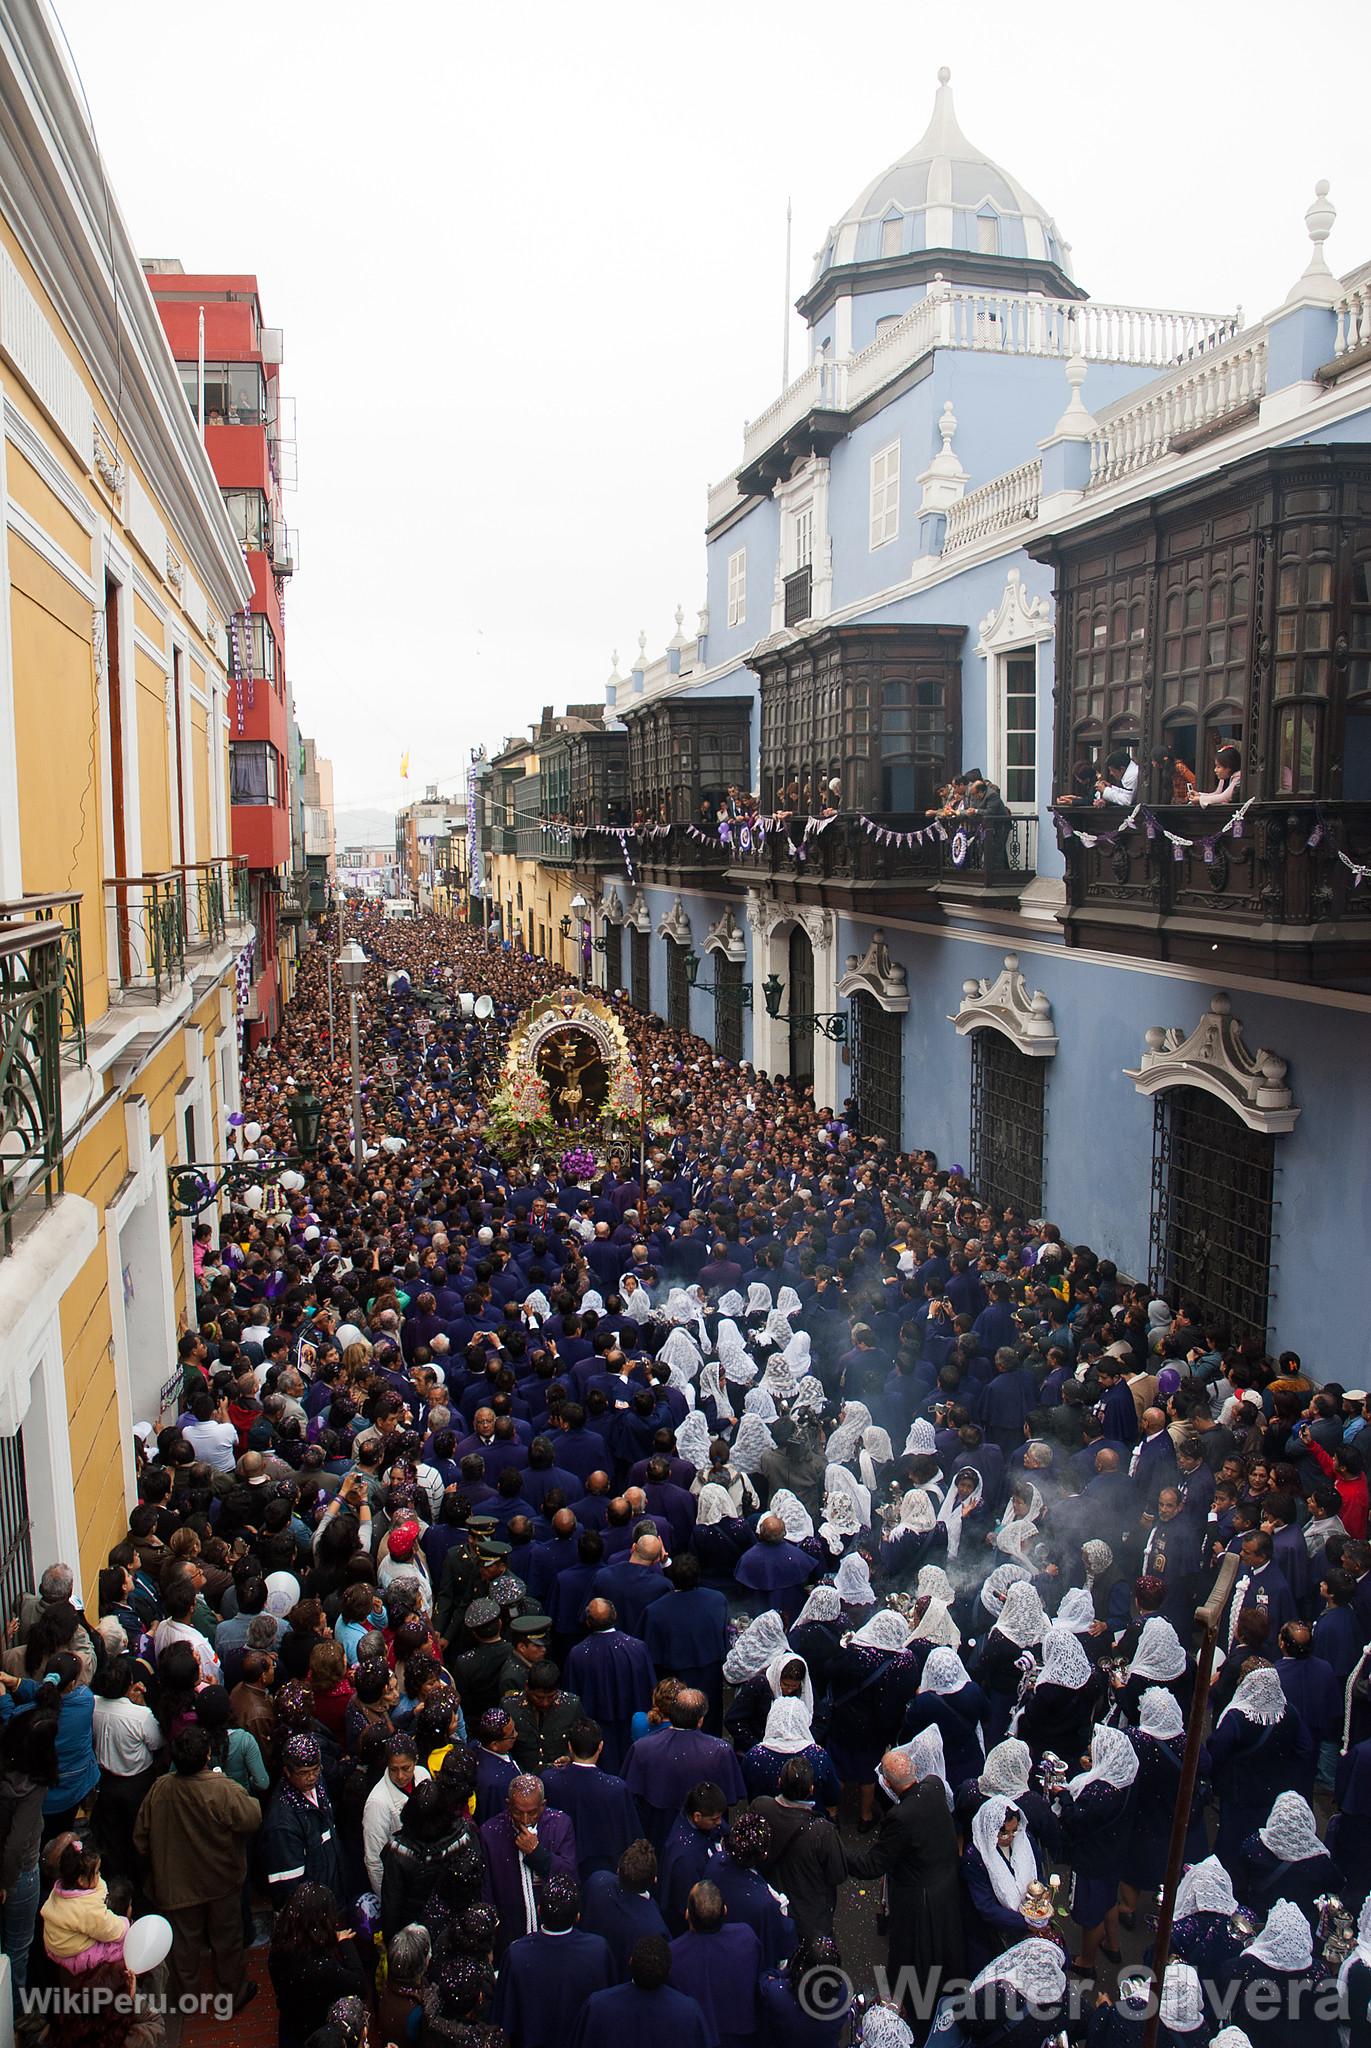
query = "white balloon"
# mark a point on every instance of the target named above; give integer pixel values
(253, 1199)
(147, 1943)
(249, 1152)
(252, 1132)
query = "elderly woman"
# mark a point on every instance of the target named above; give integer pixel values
(1259, 1748)
(949, 1701)
(872, 1681)
(1285, 1859)
(999, 1863)
(1097, 1819)
(789, 1732)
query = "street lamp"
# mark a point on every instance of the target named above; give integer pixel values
(352, 972)
(305, 1111)
(741, 995)
(830, 1023)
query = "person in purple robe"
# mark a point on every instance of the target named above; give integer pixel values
(522, 1847)
(613, 1675)
(695, 1839)
(745, 1892)
(547, 1977)
(620, 1906)
(776, 1569)
(663, 1766)
(687, 1635)
(495, 1768)
(646, 2008)
(718, 1963)
(600, 1805)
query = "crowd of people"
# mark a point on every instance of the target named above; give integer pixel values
(746, 1590)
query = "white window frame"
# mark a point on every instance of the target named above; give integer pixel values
(802, 536)
(1022, 807)
(885, 496)
(1019, 625)
(895, 221)
(737, 587)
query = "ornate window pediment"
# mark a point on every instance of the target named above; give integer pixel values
(1215, 1057)
(611, 906)
(639, 916)
(1017, 621)
(877, 974)
(1007, 1004)
(675, 925)
(726, 937)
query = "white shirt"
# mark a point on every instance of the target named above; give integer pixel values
(126, 1737)
(182, 1632)
(381, 1817)
(215, 1442)
(1125, 790)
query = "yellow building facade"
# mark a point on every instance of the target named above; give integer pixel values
(122, 919)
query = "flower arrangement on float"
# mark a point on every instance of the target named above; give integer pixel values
(520, 1116)
(577, 1163)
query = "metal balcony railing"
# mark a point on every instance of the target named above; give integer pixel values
(202, 883)
(64, 911)
(148, 915)
(31, 1002)
(238, 888)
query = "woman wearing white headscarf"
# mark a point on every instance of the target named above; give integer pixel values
(853, 1582)
(721, 1535)
(692, 1444)
(809, 1397)
(921, 1441)
(1202, 1932)
(1285, 1859)
(874, 1453)
(1159, 1744)
(736, 1362)
(936, 1627)
(1097, 1818)
(731, 1304)
(798, 1522)
(949, 1701)
(763, 1639)
(636, 1299)
(797, 1353)
(999, 1863)
(751, 1445)
(845, 1498)
(816, 1634)
(1029, 1976)
(758, 1401)
(784, 1675)
(775, 1332)
(934, 1584)
(1019, 1627)
(963, 1505)
(846, 1441)
(871, 1681)
(758, 1301)
(714, 1395)
(789, 1732)
(1279, 1974)
(1066, 1695)
(1160, 1659)
(1259, 1747)
(915, 1535)
(681, 1350)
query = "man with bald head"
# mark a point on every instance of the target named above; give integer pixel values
(631, 1584)
(915, 1851)
(664, 1766)
(1153, 1462)
(545, 1560)
(775, 1571)
(613, 1676)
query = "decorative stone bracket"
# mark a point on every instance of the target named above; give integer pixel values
(675, 925)
(611, 906)
(1215, 1057)
(877, 974)
(1007, 1004)
(726, 937)
(639, 916)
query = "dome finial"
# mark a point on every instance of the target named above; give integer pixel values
(944, 75)
(1317, 285)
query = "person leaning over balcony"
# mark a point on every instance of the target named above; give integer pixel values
(1119, 784)
(1228, 768)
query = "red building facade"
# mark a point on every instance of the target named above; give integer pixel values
(249, 437)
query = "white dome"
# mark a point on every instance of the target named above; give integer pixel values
(944, 193)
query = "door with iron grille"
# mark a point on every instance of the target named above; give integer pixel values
(877, 1068)
(642, 970)
(614, 956)
(801, 998)
(1213, 1185)
(728, 1007)
(677, 987)
(1007, 1104)
(16, 1548)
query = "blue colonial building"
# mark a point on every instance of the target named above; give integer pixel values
(995, 525)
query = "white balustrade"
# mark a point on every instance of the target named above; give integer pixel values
(1353, 312)
(1006, 501)
(1137, 431)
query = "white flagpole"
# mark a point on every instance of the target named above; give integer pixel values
(201, 386)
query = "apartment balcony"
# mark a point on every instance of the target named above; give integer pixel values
(33, 995)
(872, 865)
(678, 853)
(147, 919)
(1289, 897)
(63, 911)
(988, 862)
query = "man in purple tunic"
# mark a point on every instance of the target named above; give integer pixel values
(613, 1675)
(522, 1847)
(718, 1963)
(663, 1766)
(776, 1570)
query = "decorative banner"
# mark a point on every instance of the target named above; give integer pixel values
(961, 846)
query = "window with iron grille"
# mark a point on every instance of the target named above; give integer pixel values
(800, 1000)
(642, 970)
(1213, 1183)
(877, 1068)
(16, 1546)
(1008, 1091)
(677, 987)
(614, 956)
(728, 1006)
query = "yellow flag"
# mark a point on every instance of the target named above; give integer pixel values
(404, 767)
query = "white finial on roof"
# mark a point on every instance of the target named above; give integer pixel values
(1076, 423)
(640, 662)
(944, 75)
(678, 639)
(944, 481)
(1317, 284)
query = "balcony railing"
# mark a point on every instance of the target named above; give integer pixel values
(1006, 501)
(849, 850)
(1181, 880)
(32, 979)
(63, 911)
(990, 856)
(202, 884)
(799, 595)
(1204, 396)
(148, 919)
(237, 887)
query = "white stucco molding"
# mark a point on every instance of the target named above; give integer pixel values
(611, 905)
(1007, 1004)
(675, 925)
(638, 915)
(877, 974)
(1215, 1057)
(726, 937)
(1017, 621)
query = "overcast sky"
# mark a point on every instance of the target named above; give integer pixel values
(529, 265)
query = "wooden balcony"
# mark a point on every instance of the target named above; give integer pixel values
(1282, 897)
(847, 864)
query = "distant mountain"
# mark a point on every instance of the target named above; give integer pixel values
(365, 828)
